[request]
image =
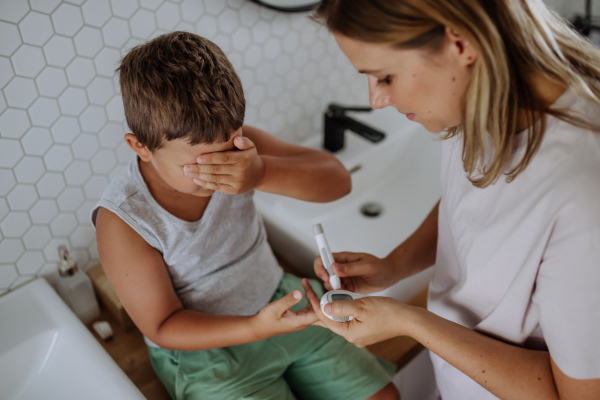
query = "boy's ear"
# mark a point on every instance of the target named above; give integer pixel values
(141, 150)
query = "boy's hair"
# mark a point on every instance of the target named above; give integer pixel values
(180, 85)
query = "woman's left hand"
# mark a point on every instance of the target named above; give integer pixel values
(375, 318)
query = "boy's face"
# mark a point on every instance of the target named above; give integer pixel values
(169, 160)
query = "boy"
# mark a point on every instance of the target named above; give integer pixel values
(181, 242)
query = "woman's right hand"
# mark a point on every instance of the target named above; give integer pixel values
(358, 272)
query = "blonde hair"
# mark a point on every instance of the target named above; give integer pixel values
(514, 40)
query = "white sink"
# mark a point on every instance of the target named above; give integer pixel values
(47, 353)
(400, 173)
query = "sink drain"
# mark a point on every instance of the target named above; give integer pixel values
(371, 210)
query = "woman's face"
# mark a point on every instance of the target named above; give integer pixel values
(428, 87)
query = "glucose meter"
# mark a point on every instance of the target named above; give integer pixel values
(326, 256)
(336, 295)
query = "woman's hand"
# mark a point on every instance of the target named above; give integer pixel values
(359, 272)
(276, 318)
(231, 172)
(375, 318)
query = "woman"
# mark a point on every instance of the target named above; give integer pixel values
(514, 301)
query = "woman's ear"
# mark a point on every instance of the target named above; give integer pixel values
(465, 51)
(141, 150)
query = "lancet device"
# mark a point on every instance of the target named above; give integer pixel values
(326, 256)
(336, 295)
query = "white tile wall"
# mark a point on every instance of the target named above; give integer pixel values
(61, 114)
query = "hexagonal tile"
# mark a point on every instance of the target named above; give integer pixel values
(78, 172)
(73, 101)
(111, 135)
(3, 209)
(103, 161)
(70, 199)
(256, 94)
(247, 77)
(274, 87)
(124, 152)
(191, 10)
(280, 24)
(272, 49)
(85, 146)
(65, 130)
(10, 153)
(7, 181)
(43, 211)
(46, 6)
(36, 237)
(290, 41)
(123, 8)
(15, 224)
(267, 110)
(92, 118)
(11, 250)
(116, 32)
(67, 20)
(20, 92)
(14, 123)
(14, 10)
(214, 7)
(59, 51)
(150, 4)
(3, 104)
(107, 61)
(253, 56)
(63, 224)
(96, 12)
(228, 21)
(115, 109)
(83, 236)
(58, 157)
(240, 39)
(207, 26)
(6, 71)
(36, 141)
(44, 112)
(224, 44)
(81, 71)
(29, 169)
(8, 273)
(36, 28)
(94, 187)
(51, 252)
(30, 262)
(249, 14)
(292, 79)
(11, 40)
(22, 197)
(283, 64)
(88, 41)
(168, 16)
(100, 91)
(142, 24)
(185, 27)
(50, 185)
(261, 32)
(84, 212)
(51, 82)
(264, 72)
(284, 101)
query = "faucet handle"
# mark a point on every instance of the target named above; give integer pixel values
(336, 110)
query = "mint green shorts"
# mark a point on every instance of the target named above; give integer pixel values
(311, 364)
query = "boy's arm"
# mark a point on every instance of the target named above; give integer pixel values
(142, 283)
(271, 165)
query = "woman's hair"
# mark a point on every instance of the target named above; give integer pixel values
(515, 39)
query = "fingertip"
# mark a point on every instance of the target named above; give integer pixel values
(297, 294)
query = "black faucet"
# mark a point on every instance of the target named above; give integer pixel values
(336, 123)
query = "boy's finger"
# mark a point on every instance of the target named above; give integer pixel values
(287, 301)
(243, 143)
(195, 169)
(217, 178)
(219, 187)
(220, 157)
(310, 293)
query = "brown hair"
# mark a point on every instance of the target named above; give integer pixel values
(180, 85)
(514, 39)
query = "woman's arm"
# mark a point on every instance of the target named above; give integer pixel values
(507, 371)
(141, 280)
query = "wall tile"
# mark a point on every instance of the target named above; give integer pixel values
(11, 40)
(96, 12)
(100, 91)
(14, 123)
(65, 130)
(70, 199)
(7, 181)
(142, 24)
(168, 16)
(45, 6)
(43, 211)
(58, 157)
(29, 169)
(67, 20)
(14, 10)
(123, 8)
(36, 141)
(36, 237)
(8, 274)
(21, 198)
(44, 112)
(50, 185)
(51, 82)
(15, 224)
(20, 92)
(10, 153)
(36, 28)
(78, 173)
(73, 101)
(30, 262)
(88, 41)
(59, 51)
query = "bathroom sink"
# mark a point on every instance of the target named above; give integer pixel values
(47, 353)
(395, 184)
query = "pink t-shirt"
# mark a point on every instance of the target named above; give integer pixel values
(520, 261)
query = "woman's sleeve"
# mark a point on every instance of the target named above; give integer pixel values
(568, 289)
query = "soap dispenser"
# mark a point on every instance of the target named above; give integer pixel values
(75, 288)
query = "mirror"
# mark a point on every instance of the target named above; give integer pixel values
(288, 5)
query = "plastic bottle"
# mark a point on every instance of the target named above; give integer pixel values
(75, 288)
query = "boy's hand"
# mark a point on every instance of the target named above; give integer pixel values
(231, 172)
(276, 318)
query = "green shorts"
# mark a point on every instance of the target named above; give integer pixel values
(311, 364)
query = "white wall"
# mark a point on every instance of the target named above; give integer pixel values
(61, 114)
